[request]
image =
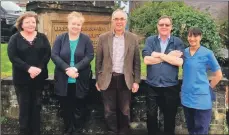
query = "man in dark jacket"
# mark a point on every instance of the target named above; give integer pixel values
(162, 55)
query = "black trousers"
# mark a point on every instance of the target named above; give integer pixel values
(116, 99)
(29, 100)
(73, 110)
(167, 99)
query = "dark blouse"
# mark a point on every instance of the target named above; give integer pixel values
(24, 54)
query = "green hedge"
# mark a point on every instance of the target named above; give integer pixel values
(144, 19)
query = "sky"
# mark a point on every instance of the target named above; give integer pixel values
(126, 9)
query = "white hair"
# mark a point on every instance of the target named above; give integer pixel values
(119, 10)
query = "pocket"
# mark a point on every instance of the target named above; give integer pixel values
(100, 72)
(202, 62)
(200, 90)
(195, 89)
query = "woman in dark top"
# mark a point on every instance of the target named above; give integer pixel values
(29, 52)
(72, 53)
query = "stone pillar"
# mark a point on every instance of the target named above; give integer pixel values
(53, 17)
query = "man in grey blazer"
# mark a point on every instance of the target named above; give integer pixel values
(117, 72)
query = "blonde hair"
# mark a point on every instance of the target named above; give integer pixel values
(75, 14)
(23, 16)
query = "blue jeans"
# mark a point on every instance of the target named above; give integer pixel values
(198, 121)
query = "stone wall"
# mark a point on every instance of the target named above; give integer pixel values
(52, 122)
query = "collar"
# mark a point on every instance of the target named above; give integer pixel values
(123, 34)
(159, 37)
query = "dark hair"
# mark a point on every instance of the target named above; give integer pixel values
(194, 31)
(23, 16)
(165, 16)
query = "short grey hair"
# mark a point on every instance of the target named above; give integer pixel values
(119, 10)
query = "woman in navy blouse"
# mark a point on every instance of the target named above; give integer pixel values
(196, 92)
(72, 53)
(29, 51)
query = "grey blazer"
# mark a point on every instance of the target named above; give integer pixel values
(132, 64)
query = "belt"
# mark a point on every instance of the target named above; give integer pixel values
(116, 74)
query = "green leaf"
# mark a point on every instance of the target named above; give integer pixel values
(144, 20)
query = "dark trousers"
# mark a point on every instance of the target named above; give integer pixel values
(167, 99)
(29, 100)
(198, 121)
(72, 110)
(116, 99)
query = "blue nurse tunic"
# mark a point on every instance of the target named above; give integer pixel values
(195, 90)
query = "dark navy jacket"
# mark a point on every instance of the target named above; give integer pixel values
(162, 74)
(60, 55)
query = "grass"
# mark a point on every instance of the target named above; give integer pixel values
(6, 67)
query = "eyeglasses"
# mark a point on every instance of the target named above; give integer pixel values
(166, 25)
(119, 19)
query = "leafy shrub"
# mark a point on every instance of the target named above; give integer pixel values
(144, 21)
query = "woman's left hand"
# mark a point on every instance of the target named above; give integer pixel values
(33, 75)
(71, 72)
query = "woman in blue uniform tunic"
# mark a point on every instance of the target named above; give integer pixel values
(196, 92)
